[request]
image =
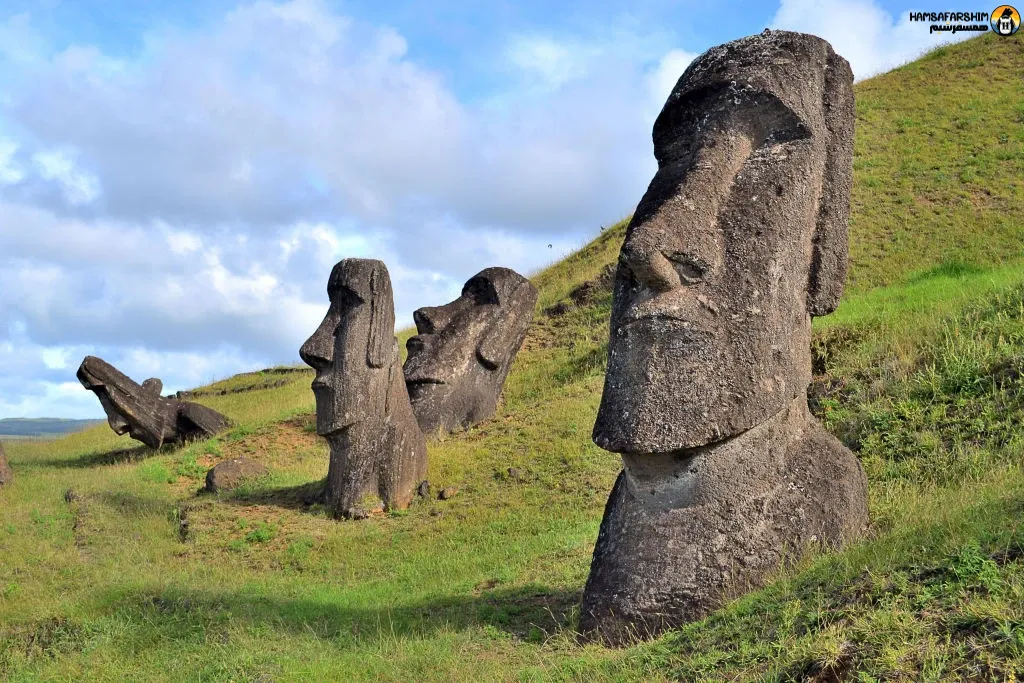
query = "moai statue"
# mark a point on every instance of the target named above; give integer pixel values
(378, 455)
(458, 362)
(739, 240)
(6, 475)
(142, 412)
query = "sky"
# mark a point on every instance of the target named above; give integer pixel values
(177, 179)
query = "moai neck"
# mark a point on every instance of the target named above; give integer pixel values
(730, 470)
(354, 462)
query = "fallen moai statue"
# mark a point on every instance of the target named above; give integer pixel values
(142, 412)
(458, 361)
(378, 454)
(739, 240)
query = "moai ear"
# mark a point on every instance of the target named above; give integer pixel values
(381, 348)
(831, 242)
(152, 386)
(493, 349)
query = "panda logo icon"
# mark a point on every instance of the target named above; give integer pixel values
(1005, 20)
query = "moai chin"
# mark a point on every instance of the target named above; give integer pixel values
(140, 411)
(739, 240)
(362, 407)
(463, 351)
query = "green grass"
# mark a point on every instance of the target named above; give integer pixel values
(920, 372)
(939, 162)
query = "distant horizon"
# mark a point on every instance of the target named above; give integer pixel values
(43, 427)
(62, 419)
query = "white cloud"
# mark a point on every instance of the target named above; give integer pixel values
(870, 38)
(55, 358)
(19, 44)
(549, 62)
(181, 242)
(51, 399)
(181, 219)
(10, 171)
(666, 75)
(80, 187)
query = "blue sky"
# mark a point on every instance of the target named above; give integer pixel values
(177, 179)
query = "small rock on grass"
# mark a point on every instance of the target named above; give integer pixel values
(231, 474)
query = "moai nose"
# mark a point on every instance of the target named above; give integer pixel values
(649, 265)
(429, 319)
(318, 351)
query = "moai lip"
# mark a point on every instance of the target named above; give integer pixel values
(740, 239)
(458, 361)
(378, 454)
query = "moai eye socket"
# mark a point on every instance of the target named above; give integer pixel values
(481, 291)
(627, 270)
(348, 298)
(691, 270)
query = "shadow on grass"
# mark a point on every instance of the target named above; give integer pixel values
(302, 497)
(119, 456)
(530, 613)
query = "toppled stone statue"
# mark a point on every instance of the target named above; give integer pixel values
(378, 455)
(739, 240)
(142, 412)
(6, 475)
(459, 359)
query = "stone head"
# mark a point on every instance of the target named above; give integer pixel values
(354, 348)
(130, 407)
(463, 351)
(739, 240)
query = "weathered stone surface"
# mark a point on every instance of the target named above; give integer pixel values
(142, 412)
(231, 474)
(739, 240)
(362, 406)
(6, 475)
(458, 361)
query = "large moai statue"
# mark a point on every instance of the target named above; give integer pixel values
(142, 412)
(459, 359)
(739, 240)
(378, 454)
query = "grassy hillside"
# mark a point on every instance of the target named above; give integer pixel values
(938, 165)
(133, 574)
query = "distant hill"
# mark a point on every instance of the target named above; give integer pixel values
(42, 426)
